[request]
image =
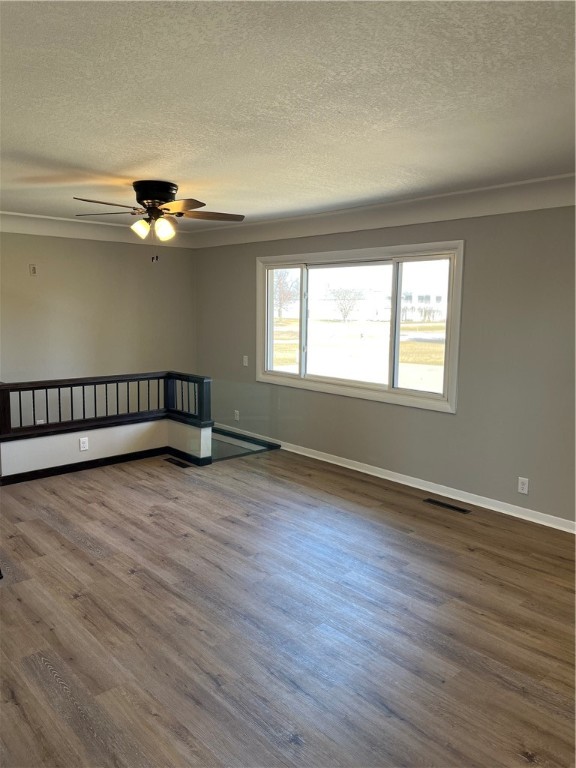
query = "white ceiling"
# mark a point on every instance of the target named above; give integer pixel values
(278, 109)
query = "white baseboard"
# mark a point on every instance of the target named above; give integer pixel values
(414, 482)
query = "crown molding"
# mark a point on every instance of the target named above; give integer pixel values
(536, 194)
(531, 195)
(49, 226)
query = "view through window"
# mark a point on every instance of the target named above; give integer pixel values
(378, 325)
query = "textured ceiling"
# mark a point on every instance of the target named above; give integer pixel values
(276, 109)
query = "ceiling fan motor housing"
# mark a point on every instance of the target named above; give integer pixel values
(151, 194)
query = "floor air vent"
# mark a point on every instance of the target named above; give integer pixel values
(178, 463)
(445, 505)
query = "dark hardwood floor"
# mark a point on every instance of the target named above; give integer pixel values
(274, 611)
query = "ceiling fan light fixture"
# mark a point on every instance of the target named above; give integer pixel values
(164, 229)
(160, 209)
(141, 227)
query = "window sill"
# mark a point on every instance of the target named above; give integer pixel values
(424, 400)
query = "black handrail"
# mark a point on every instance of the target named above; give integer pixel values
(166, 400)
(51, 383)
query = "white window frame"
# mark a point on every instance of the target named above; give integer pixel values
(453, 250)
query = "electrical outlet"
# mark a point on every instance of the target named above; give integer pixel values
(83, 443)
(245, 361)
(522, 485)
(33, 270)
(236, 415)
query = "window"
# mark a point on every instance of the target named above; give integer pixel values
(378, 323)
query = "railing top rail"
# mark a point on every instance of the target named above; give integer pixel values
(188, 377)
(79, 381)
(88, 380)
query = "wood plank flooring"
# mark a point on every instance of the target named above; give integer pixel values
(277, 611)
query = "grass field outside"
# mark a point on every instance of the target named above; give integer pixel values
(359, 349)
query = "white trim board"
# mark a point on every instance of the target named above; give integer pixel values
(494, 505)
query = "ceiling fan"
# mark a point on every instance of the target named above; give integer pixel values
(160, 209)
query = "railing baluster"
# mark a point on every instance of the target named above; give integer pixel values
(180, 396)
(170, 393)
(5, 421)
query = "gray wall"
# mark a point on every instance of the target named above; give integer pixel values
(104, 308)
(95, 308)
(515, 412)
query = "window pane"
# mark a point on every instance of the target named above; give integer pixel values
(284, 320)
(349, 310)
(422, 344)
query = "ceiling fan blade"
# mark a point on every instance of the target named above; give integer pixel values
(102, 202)
(179, 206)
(112, 213)
(213, 216)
